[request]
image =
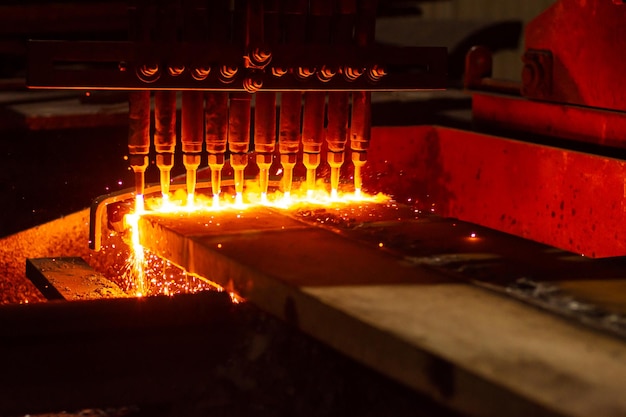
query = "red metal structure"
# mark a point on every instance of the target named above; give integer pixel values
(570, 93)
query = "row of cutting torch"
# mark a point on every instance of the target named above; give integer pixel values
(220, 123)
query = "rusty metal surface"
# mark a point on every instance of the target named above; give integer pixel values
(582, 37)
(563, 198)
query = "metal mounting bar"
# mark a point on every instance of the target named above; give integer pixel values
(129, 66)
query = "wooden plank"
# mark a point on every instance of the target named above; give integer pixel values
(464, 346)
(70, 278)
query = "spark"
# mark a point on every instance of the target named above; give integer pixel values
(286, 199)
(239, 200)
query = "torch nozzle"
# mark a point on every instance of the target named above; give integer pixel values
(287, 178)
(264, 176)
(165, 182)
(288, 162)
(359, 158)
(139, 204)
(191, 162)
(310, 180)
(358, 179)
(191, 183)
(264, 162)
(239, 180)
(334, 180)
(216, 181)
(140, 182)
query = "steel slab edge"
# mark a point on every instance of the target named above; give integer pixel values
(562, 198)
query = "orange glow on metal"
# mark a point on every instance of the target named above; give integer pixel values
(148, 274)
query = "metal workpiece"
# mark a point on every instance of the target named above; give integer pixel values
(165, 163)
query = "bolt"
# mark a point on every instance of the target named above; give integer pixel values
(148, 73)
(305, 72)
(175, 70)
(352, 73)
(326, 73)
(149, 70)
(200, 73)
(261, 56)
(376, 73)
(279, 71)
(228, 72)
(253, 83)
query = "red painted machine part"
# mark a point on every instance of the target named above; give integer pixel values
(566, 199)
(587, 39)
(583, 124)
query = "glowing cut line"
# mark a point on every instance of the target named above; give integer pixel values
(180, 202)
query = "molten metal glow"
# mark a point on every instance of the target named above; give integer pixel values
(150, 274)
(137, 255)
